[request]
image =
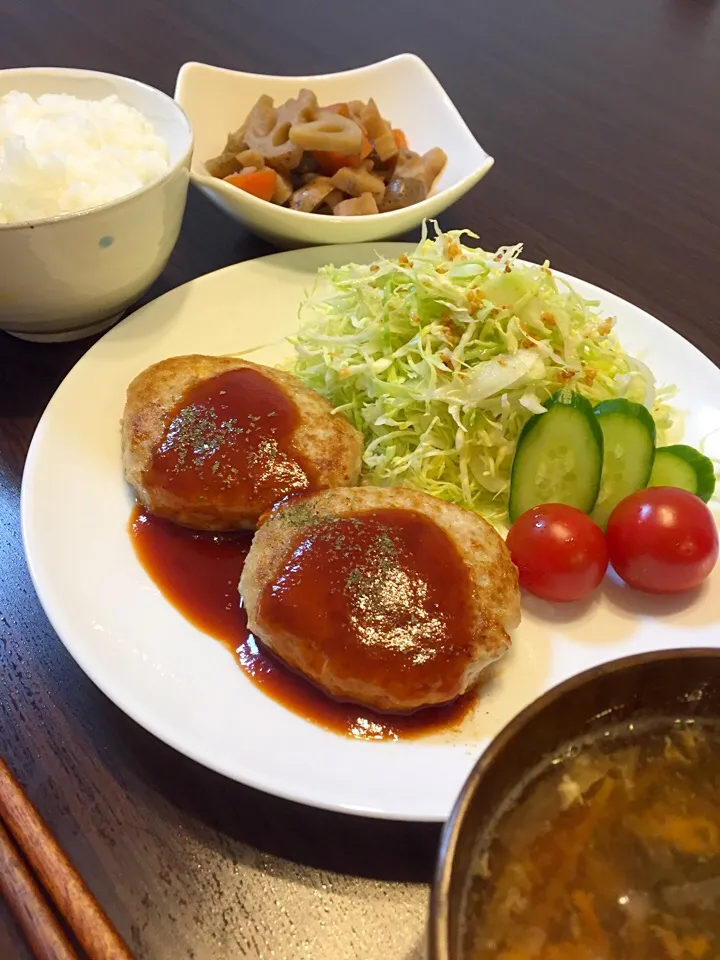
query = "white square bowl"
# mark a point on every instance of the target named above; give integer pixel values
(407, 92)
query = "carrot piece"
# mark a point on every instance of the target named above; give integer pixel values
(400, 139)
(330, 161)
(590, 921)
(366, 148)
(694, 835)
(678, 948)
(554, 891)
(697, 946)
(260, 183)
(566, 951)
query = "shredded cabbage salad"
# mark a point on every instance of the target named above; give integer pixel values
(440, 356)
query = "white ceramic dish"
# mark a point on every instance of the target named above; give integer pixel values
(407, 92)
(182, 685)
(70, 276)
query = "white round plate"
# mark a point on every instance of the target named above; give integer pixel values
(182, 685)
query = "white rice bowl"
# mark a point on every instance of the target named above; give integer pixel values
(60, 154)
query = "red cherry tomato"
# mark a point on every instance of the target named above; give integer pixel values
(662, 540)
(559, 551)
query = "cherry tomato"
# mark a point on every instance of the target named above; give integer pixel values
(559, 551)
(662, 540)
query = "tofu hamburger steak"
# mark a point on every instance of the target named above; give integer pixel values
(213, 442)
(384, 596)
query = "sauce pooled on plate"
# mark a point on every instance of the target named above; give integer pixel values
(198, 573)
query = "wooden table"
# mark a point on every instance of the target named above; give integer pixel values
(603, 118)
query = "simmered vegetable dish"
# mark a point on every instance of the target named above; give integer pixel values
(343, 159)
(611, 854)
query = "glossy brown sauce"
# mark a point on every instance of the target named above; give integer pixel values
(198, 573)
(387, 592)
(228, 442)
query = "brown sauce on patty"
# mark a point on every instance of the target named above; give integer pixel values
(381, 598)
(228, 441)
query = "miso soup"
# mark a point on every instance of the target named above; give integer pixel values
(608, 852)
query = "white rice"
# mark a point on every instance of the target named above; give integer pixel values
(59, 154)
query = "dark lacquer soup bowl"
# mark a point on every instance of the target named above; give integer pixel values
(681, 684)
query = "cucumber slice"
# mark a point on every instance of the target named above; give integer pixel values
(558, 457)
(684, 467)
(629, 449)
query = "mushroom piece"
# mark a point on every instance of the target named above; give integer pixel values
(310, 196)
(356, 206)
(304, 171)
(402, 192)
(308, 164)
(409, 164)
(329, 132)
(357, 180)
(267, 129)
(383, 169)
(426, 167)
(304, 178)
